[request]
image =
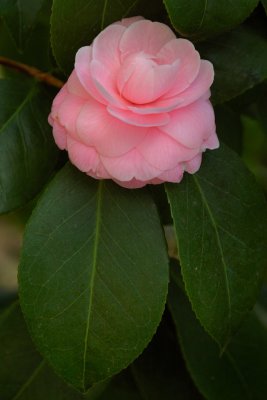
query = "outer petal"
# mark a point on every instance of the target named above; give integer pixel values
(191, 125)
(163, 152)
(172, 175)
(68, 112)
(58, 100)
(133, 184)
(145, 36)
(83, 70)
(111, 137)
(189, 63)
(129, 166)
(59, 134)
(75, 87)
(147, 120)
(83, 157)
(211, 143)
(193, 165)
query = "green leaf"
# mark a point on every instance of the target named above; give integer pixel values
(240, 372)
(236, 68)
(160, 371)
(264, 3)
(20, 18)
(229, 127)
(220, 219)
(23, 373)
(93, 258)
(122, 387)
(28, 152)
(200, 19)
(75, 23)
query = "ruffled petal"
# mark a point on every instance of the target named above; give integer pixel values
(145, 36)
(191, 125)
(193, 165)
(83, 157)
(156, 79)
(83, 70)
(163, 152)
(189, 63)
(172, 175)
(131, 118)
(129, 166)
(111, 137)
(59, 134)
(68, 112)
(75, 87)
(211, 143)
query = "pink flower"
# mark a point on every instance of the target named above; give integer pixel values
(135, 108)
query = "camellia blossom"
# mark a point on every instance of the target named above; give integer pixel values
(136, 107)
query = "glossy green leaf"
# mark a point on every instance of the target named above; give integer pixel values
(75, 23)
(220, 219)
(236, 68)
(23, 373)
(229, 127)
(199, 19)
(240, 372)
(20, 18)
(160, 371)
(28, 153)
(93, 259)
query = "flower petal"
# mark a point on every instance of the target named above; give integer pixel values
(189, 63)
(193, 165)
(74, 86)
(68, 112)
(163, 152)
(129, 166)
(83, 157)
(211, 143)
(59, 134)
(145, 36)
(83, 70)
(191, 125)
(131, 118)
(111, 137)
(156, 79)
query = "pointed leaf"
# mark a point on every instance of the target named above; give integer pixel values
(93, 259)
(220, 220)
(23, 373)
(28, 153)
(75, 23)
(200, 19)
(240, 372)
(236, 69)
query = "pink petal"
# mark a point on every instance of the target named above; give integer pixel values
(189, 63)
(172, 175)
(68, 112)
(111, 137)
(131, 118)
(193, 165)
(74, 86)
(129, 21)
(191, 125)
(105, 48)
(200, 86)
(129, 166)
(60, 135)
(211, 143)
(83, 70)
(145, 36)
(61, 95)
(163, 152)
(133, 184)
(83, 157)
(155, 79)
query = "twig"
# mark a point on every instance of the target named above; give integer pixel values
(32, 71)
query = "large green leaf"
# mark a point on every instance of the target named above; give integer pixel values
(28, 153)
(20, 17)
(220, 220)
(264, 3)
(160, 371)
(236, 68)
(199, 19)
(240, 372)
(23, 373)
(93, 276)
(75, 23)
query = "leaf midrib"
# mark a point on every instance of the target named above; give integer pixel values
(99, 196)
(213, 222)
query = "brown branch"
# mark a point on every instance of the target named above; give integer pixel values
(32, 71)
